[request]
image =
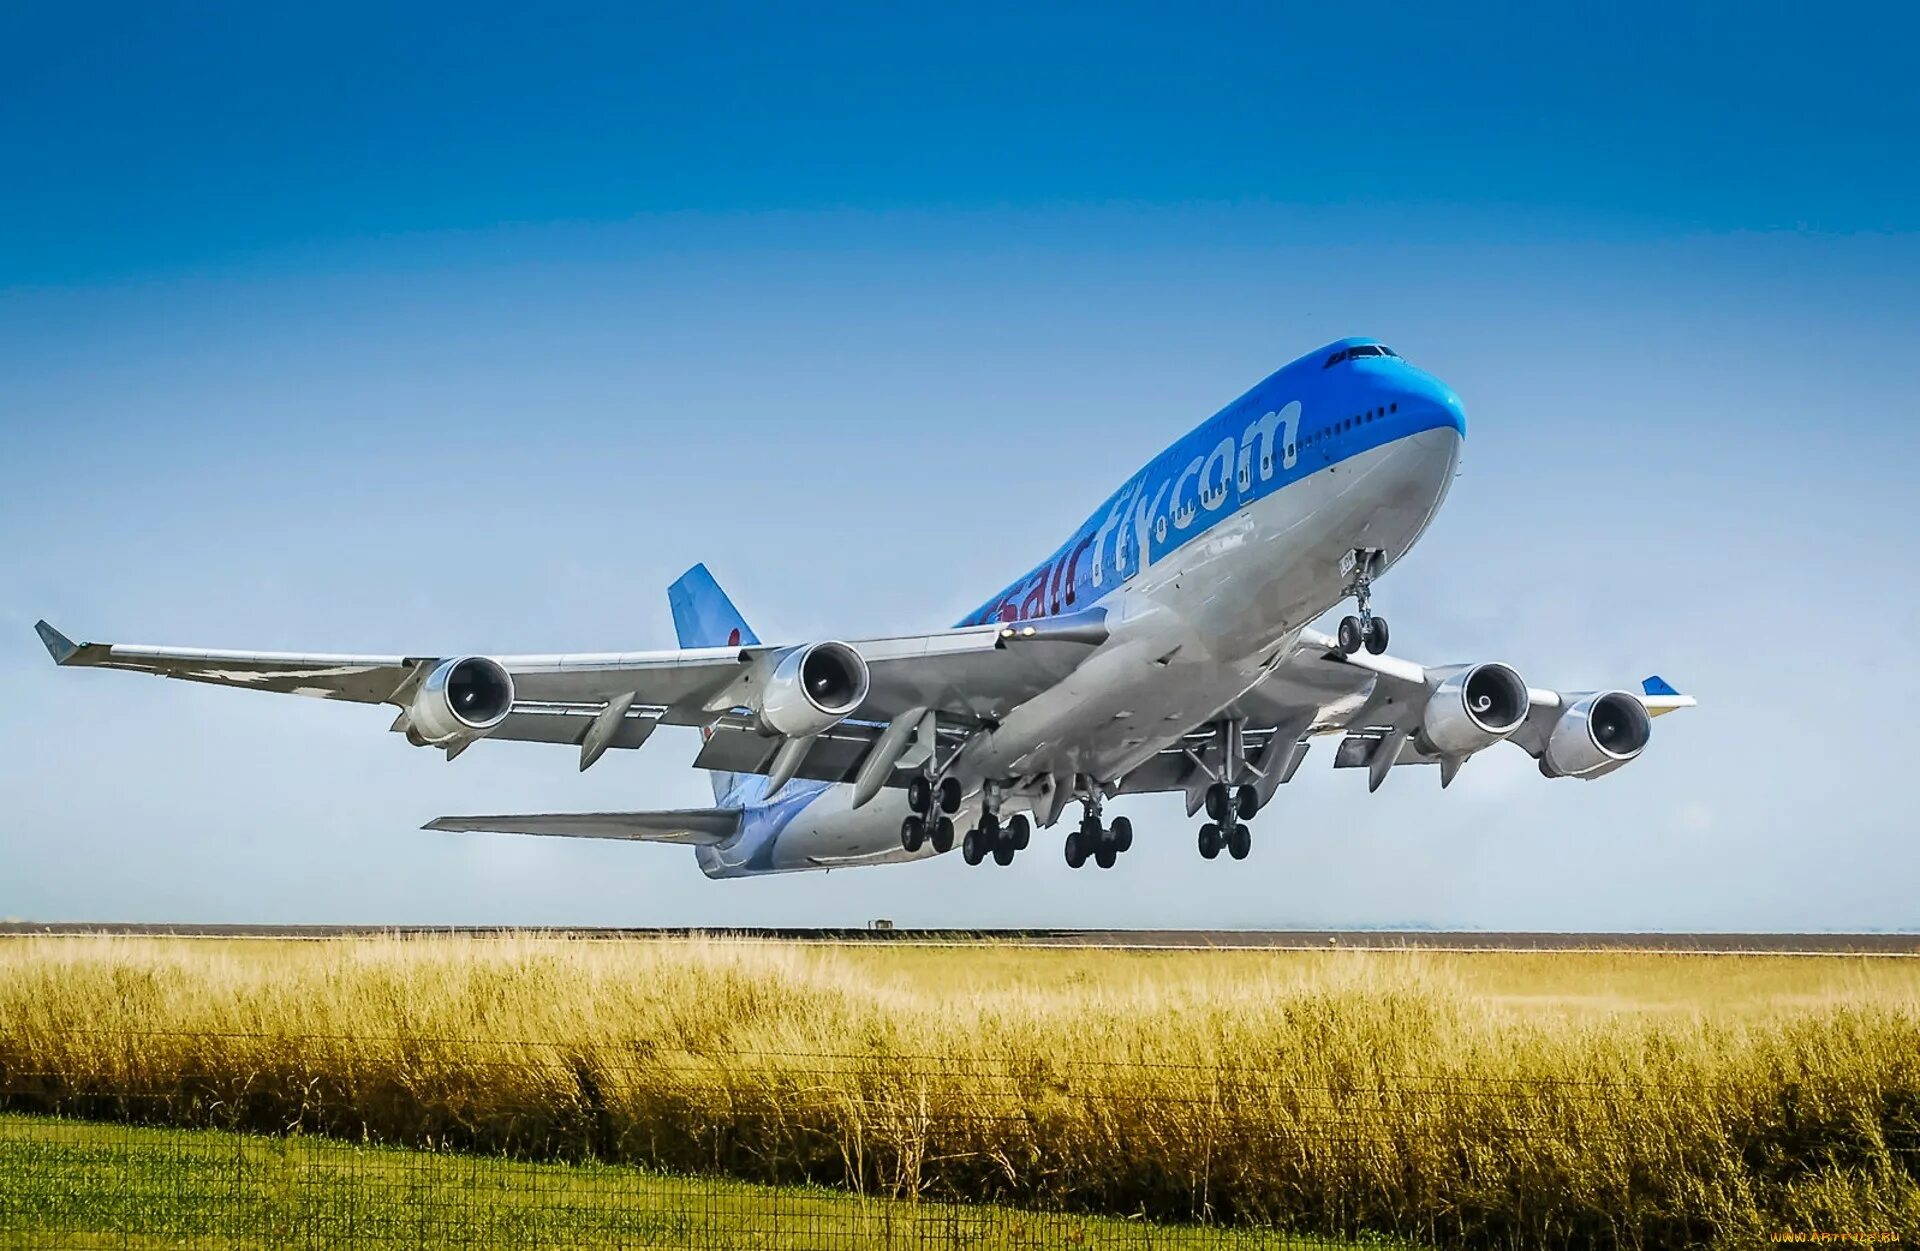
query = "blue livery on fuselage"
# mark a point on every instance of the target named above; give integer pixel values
(1326, 407)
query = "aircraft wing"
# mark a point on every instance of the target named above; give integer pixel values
(1375, 703)
(597, 700)
(696, 826)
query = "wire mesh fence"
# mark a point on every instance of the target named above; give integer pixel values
(178, 1140)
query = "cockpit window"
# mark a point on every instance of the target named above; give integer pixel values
(1363, 349)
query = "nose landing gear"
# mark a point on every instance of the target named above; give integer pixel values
(1362, 565)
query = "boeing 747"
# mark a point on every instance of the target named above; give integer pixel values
(1167, 645)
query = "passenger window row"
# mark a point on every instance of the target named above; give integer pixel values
(1323, 436)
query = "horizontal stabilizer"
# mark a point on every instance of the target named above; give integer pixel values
(1660, 698)
(699, 826)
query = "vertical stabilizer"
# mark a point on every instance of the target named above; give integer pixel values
(703, 616)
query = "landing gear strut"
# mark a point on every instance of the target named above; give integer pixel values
(1094, 840)
(1362, 565)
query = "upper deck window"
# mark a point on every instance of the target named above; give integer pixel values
(1363, 349)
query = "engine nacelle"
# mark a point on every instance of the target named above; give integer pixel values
(813, 689)
(1473, 709)
(461, 699)
(1596, 734)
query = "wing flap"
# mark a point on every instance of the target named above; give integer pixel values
(696, 826)
(567, 724)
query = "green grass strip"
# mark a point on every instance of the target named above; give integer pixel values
(72, 1184)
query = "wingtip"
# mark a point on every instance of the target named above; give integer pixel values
(1657, 685)
(59, 646)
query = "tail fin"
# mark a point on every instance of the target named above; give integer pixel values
(703, 616)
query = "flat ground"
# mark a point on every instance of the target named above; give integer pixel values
(71, 1184)
(1369, 940)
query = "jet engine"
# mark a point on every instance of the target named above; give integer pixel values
(1472, 709)
(813, 689)
(461, 699)
(1596, 734)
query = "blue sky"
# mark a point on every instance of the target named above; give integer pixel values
(472, 332)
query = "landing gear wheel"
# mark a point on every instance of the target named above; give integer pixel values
(943, 835)
(1352, 636)
(1376, 632)
(1105, 856)
(1122, 834)
(1020, 832)
(913, 831)
(1003, 850)
(950, 795)
(1209, 840)
(1246, 803)
(1076, 851)
(973, 847)
(919, 794)
(1239, 842)
(1219, 801)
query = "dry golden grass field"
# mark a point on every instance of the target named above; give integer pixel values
(1492, 1098)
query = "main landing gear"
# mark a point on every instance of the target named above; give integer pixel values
(1362, 565)
(1231, 807)
(1230, 802)
(932, 805)
(924, 824)
(1103, 844)
(991, 838)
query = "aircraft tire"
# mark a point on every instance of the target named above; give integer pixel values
(950, 795)
(1020, 831)
(1352, 638)
(1246, 803)
(973, 847)
(1105, 856)
(913, 831)
(1219, 800)
(1076, 852)
(1122, 834)
(919, 794)
(1239, 842)
(1209, 840)
(1003, 850)
(943, 835)
(1377, 636)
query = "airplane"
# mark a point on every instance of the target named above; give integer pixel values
(1166, 646)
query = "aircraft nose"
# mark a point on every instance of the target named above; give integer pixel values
(1432, 400)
